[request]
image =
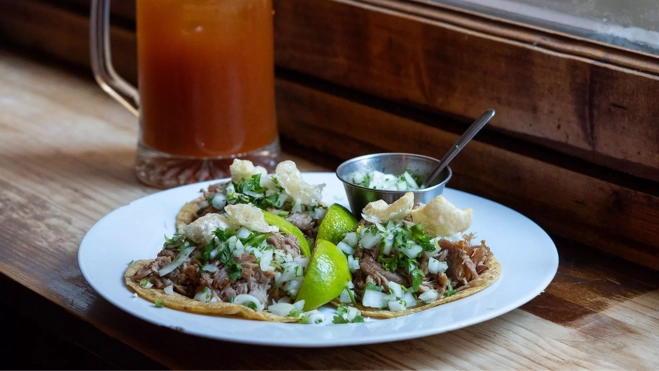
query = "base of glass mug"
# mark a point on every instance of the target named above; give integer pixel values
(162, 170)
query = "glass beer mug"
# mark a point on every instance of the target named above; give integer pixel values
(206, 86)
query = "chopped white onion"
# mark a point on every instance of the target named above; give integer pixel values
(243, 233)
(352, 313)
(297, 206)
(396, 289)
(376, 299)
(246, 299)
(282, 198)
(345, 248)
(397, 305)
(388, 244)
(351, 239)
(409, 299)
(410, 181)
(169, 289)
(147, 285)
(281, 309)
(177, 262)
(429, 296)
(254, 194)
(219, 201)
(353, 264)
(266, 259)
(291, 287)
(209, 268)
(412, 251)
(345, 296)
(299, 305)
(369, 240)
(435, 266)
(204, 295)
(315, 317)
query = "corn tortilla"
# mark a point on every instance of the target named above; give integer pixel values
(183, 303)
(188, 213)
(484, 280)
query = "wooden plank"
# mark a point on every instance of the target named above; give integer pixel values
(614, 218)
(63, 34)
(585, 107)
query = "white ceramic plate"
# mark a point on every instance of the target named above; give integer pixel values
(527, 255)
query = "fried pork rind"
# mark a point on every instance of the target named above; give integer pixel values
(441, 218)
(379, 211)
(201, 230)
(484, 280)
(250, 217)
(180, 302)
(290, 179)
(244, 169)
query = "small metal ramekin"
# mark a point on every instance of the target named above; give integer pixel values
(390, 163)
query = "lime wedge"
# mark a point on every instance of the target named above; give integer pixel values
(288, 228)
(326, 277)
(337, 222)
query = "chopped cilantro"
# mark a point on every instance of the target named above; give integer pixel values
(160, 303)
(223, 235)
(417, 278)
(294, 313)
(231, 299)
(235, 269)
(352, 296)
(373, 287)
(340, 317)
(251, 305)
(144, 282)
(450, 290)
(206, 253)
(174, 242)
(257, 239)
(131, 262)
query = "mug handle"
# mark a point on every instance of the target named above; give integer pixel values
(101, 58)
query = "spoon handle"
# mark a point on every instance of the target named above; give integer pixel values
(474, 128)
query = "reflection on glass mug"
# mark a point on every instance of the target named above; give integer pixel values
(206, 86)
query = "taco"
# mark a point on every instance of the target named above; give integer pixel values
(283, 193)
(405, 258)
(234, 264)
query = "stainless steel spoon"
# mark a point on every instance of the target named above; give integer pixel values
(462, 141)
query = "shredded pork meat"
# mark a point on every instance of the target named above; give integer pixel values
(465, 263)
(188, 279)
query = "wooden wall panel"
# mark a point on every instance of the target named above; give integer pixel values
(574, 104)
(617, 219)
(62, 34)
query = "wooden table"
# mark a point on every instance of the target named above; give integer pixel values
(66, 157)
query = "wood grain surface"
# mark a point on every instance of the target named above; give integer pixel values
(66, 156)
(588, 108)
(575, 201)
